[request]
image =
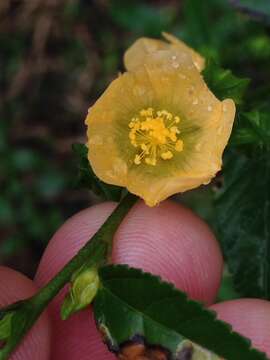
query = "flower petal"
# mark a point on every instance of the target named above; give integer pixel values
(205, 127)
(210, 155)
(197, 59)
(135, 55)
(154, 191)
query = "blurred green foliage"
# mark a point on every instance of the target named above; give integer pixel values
(56, 58)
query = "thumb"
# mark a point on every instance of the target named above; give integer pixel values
(249, 317)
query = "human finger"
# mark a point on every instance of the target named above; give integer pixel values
(15, 286)
(249, 317)
(168, 240)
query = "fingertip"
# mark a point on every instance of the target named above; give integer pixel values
(15, 286)
(249, 317)
(169, 240)
(69, 238)
(77, 337)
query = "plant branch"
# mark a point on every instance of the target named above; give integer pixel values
(94, 253)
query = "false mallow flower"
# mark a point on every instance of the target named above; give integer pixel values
(158, 130)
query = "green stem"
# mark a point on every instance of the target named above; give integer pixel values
(95, 253)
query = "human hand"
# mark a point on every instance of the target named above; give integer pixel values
(168, 240)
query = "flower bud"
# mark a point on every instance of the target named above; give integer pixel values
(5, 325)
(83, 290)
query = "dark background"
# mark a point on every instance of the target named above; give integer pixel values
(56, 58)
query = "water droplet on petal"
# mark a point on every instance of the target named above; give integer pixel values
(104, 116)
(215, 167)
(120, 167)
(206, 182)
(219, 130)
(175, 64)
(110, 174)
(138, 91)
(182, 76)
(174, 57)
(195, 101)
(96, 140)
(198, 147)
(209, 108)
(191, 90)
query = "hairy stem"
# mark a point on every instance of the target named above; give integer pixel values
(95, 253)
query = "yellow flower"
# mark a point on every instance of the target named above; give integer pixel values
(136, 54)
(158, 130)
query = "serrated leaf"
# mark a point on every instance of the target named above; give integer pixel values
(133, 307)
(88, 179)
(252, 128)
(258, 9)
(224, 84)
(243, 223)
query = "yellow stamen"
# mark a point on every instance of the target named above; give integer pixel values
(137, 160)
(167, 155)
(179, 145)
(155, 134)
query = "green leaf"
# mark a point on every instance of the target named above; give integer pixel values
(209, 26)
(133, 307)
(152, 19)
(243, 223)
(199, 32)
(252, 128)
(258, 9)
(224, 84)
(88, 179)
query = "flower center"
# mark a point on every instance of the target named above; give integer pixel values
(156, 136)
